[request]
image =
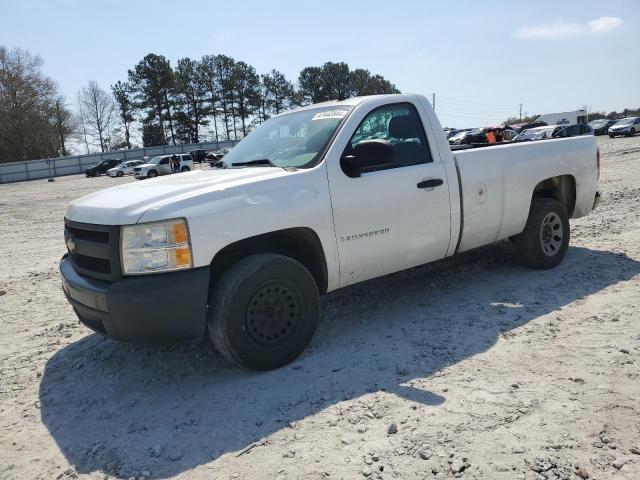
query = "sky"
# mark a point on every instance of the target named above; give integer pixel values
(481, 59)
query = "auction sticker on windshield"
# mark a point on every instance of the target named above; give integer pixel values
(338, 113)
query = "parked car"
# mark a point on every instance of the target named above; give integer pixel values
(214, 157)
(573, 131)
(102, 167)
(601, 126)
(468, 137)
(509, 135)
(460, 138)
(242, 254)
(450, 132)
(199, 155)
(627, 126)
(537, 133)
(125, 168)
(161, 165)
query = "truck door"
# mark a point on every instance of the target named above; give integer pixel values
(395, 215)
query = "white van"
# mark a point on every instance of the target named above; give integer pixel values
(564, 118)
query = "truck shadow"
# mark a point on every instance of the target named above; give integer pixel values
(122, 408)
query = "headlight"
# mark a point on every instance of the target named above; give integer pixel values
(155, 247)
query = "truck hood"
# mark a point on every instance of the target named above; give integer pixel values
(125, 204)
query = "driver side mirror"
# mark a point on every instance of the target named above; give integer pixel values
(366, 156)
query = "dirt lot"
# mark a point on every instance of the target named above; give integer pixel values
(474, 365)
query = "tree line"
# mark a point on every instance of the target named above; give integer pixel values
(158, 103)
(34, 119)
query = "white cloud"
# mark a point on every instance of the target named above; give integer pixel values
(563, 29)
(604, 24)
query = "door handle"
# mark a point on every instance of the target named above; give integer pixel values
(433, 182)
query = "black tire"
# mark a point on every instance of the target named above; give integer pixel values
(119, 174)
(632, 132)
(264, 311)
(185, 169)
(152, 174)
(545, 239)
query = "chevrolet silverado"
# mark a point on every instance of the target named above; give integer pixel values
(313, 200)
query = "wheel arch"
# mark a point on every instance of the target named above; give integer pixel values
(561, 188)
(301, 244)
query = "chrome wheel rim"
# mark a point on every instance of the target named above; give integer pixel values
(551, 234)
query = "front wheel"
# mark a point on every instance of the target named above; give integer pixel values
(152, 173)
(264, 311)
(632, 132)
(119, 174)
(611, 136)
(545, 238)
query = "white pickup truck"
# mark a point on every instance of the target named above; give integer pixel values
(313, 200)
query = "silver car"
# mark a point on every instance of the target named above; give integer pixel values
(627, 126)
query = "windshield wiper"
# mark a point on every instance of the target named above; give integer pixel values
(253, 163)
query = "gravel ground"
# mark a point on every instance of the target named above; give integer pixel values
(472, 367)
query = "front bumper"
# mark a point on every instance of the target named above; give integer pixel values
(156, 308)
(619, 132)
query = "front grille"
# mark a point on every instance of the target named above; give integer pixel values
(94, 249)
(92, 236)
(101, 265)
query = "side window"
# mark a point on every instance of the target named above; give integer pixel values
(164, 161)
(398, 124)
(572, 131)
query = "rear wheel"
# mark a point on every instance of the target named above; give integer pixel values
(264, 311)
(545, 238)
(185, 169)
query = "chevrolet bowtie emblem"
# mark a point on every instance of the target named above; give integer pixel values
(71, 244)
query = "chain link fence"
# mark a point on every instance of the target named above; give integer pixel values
(57, 167)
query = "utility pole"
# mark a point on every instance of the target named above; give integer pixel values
(520, 112)
(433, 101)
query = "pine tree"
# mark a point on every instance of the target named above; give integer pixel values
(153, 85)
(122, 92)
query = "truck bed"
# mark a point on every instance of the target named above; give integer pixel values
(497, 184)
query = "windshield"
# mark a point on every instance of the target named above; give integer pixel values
(290, 140)
(155, 160)
(625, 121)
